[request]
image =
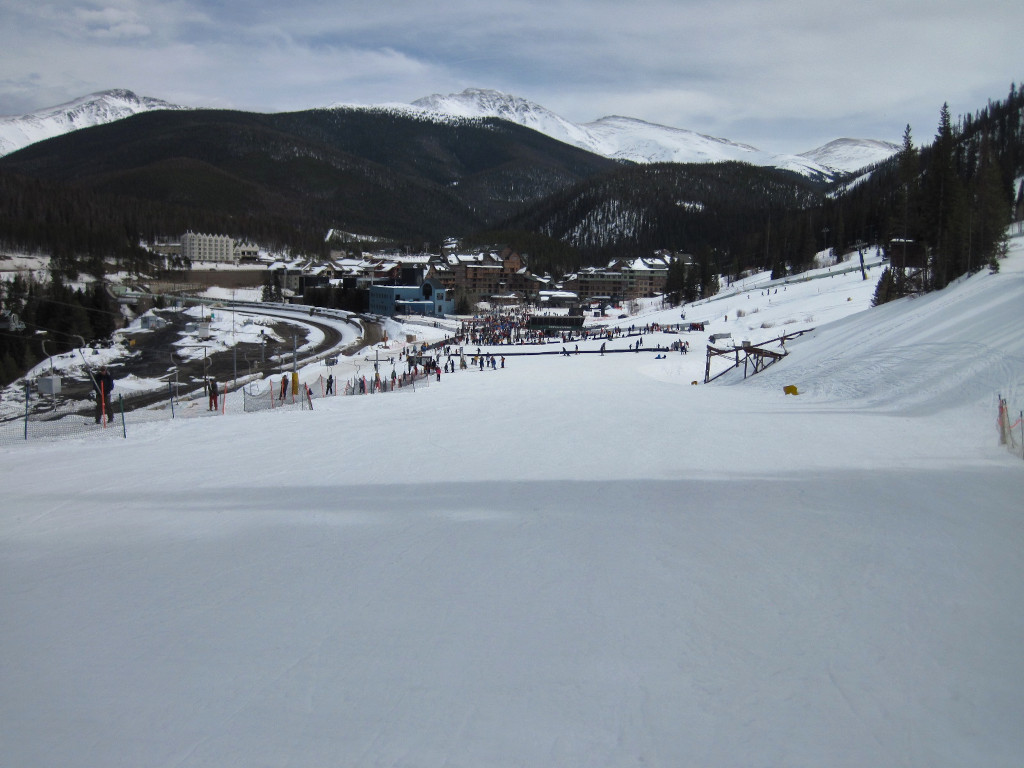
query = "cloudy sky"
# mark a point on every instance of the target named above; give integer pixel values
(783, 75)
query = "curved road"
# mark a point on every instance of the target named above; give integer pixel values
(154, 353)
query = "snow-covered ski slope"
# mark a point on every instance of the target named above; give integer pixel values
(574, 561)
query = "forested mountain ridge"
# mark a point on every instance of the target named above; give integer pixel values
(383, 174)
(718, 206)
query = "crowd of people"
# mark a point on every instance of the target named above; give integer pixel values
(498, 328)
(512, 327)
(424, 360)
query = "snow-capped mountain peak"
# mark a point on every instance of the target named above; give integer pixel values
(94, 109)
(614, 136)
(484, 102)
(849, 155)
(638, 141)
(628, 138)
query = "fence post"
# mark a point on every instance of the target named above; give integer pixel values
(170, 391)
(26, 408)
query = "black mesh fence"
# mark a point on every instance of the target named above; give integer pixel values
(30, 415)
(34, 416)
(289, 391)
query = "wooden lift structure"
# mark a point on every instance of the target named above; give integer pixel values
(754, 359)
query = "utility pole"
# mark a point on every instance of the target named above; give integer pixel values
(53, 376)
(174, 365)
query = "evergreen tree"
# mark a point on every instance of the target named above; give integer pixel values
(463, 306)
(990, 211)
(909, 175)
(708, 275)
(675, 282)
(691, 284)
(808, 247)
(885, 290)
(997, 254)
(945, 200)
(102, 311)
(8, 368)
(95, 266)
(839, 238)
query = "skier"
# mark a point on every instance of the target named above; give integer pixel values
(211, 390)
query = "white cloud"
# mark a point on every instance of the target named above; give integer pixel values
(114, 23)
(751, 66)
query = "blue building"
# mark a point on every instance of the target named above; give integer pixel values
(430, 299)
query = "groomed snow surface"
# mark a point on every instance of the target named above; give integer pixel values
(574, 561)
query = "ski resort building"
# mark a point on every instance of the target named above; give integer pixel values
(430, 298)
(216, 248)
